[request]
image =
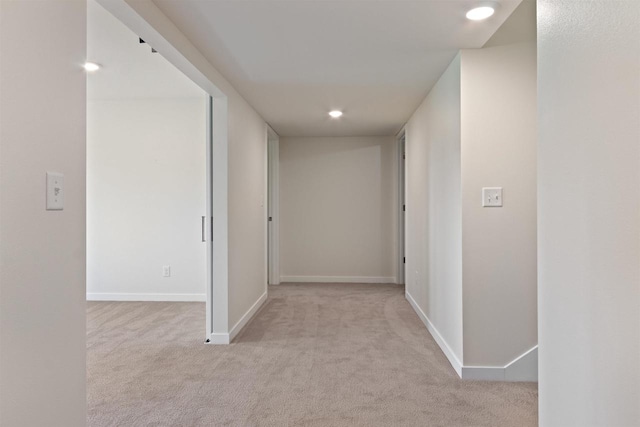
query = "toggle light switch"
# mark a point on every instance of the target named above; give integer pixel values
(492, 197)
(55, 191)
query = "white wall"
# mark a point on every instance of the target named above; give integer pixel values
(338, 209)
(499, 244)
(42, 253)
(589, 212)
(471, 271)
(247, 209)
(433, 218)
(146, 177)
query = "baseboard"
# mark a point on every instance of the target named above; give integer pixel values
(146, 297)
(336, 279)
(255, 308)
(522, 368)
(223, 338)
(457, 366)
(217, 338)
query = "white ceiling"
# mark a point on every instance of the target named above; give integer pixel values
(296, 60)
(129, 69)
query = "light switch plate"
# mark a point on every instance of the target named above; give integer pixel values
(55, 191)
(492, 197)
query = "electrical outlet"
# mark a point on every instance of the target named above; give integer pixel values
(166, 271)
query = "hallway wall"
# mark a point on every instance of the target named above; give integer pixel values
(338, 209)
(433, 219)
(471, 270)
(589, 212)
(42, 253)
(499, 244)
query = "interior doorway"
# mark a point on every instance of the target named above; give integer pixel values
(148, 171)
(402, 207)
(273, 211)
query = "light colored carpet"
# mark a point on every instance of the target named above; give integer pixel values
(316, 355)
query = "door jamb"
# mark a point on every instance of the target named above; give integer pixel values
(273, 206)
(401, 207)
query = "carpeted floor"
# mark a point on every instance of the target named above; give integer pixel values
(316, 355)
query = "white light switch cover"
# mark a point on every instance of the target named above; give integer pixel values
(492, 197)
(55, 191)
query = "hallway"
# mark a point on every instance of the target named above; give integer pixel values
(316, 355)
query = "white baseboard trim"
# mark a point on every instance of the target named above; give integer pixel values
(146, 297)
(255, 308)
(457, 366)
(336, 279)
(522, 368)
(223, 338)
(217, 338)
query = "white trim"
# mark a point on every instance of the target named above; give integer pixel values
(522, 368)
(146, 297)
(218, 338)
(255, 308)
(209, 217)
(223, 339)
(401, 202)
(336, 279)
(455, 362)
(482, 373)
(273, 194)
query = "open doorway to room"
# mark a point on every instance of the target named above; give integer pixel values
(147, 172)
(273, 196)
(402, 208)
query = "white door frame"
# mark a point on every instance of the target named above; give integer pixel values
(184, 59)
(401, 207)
(273, 206)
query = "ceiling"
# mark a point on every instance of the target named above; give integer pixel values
(293, 61)
(129, 69)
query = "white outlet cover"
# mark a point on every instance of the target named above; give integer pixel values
(492, 197)
(55, 191)
(166, 271)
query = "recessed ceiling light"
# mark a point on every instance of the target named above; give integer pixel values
(480, 13)
(91, 66)
(335, 114)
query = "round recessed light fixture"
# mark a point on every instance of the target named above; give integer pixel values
(335, 114)
(480, 13)
(91, 66)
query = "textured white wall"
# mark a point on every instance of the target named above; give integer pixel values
(247, 208)
(145, 197)
(433, 219)
(589, 212)
(337, 209)
(471, 271)
(499, 244)
(42, 253)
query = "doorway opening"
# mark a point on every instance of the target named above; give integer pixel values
(401, 208)
(273, 207)
(148, 172)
